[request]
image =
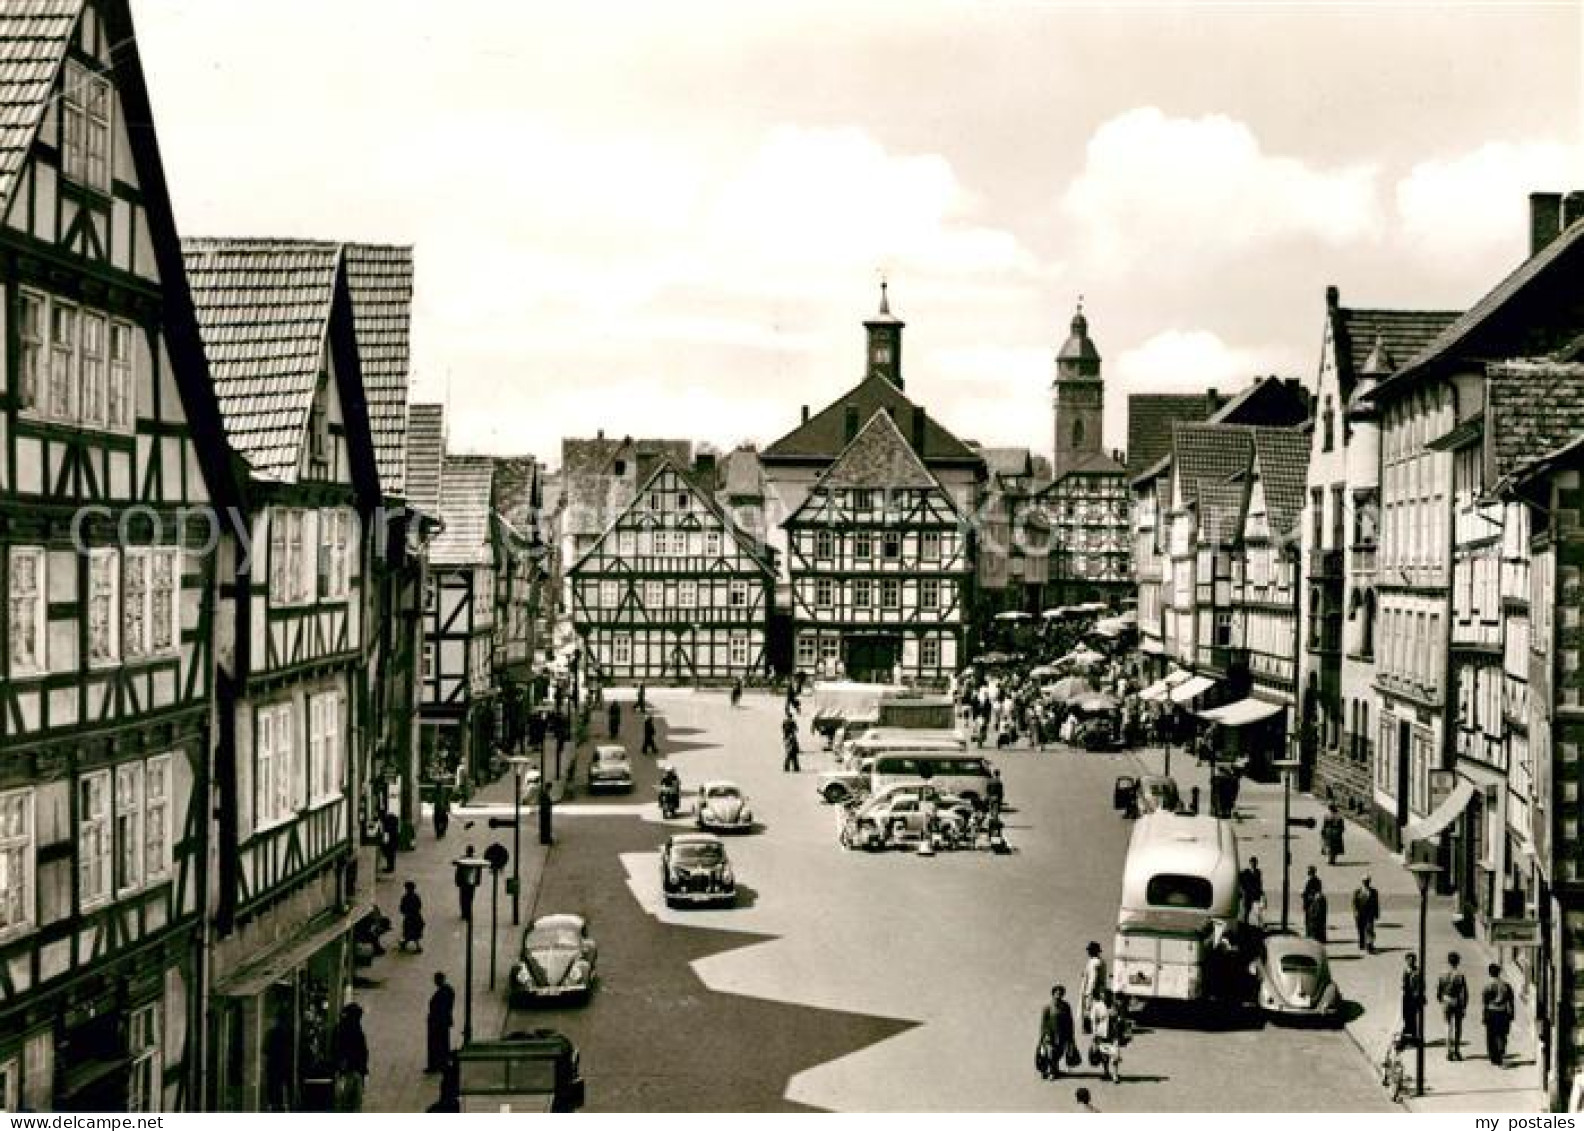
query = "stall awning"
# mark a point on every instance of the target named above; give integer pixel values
(259, 975)
(1191, 688)
(1242, 713)
(1434, 824)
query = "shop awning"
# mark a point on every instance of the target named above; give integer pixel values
(1242, 713)
(1152, 647)
(1434, 824)
(1191, 688)
(1158, 690)
(256, 977)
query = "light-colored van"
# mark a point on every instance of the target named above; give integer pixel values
(877, 740)
(1177, 929)
(950, 771)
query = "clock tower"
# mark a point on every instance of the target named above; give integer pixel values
(883, 356)
(1078, 400)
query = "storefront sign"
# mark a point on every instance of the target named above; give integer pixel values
(1515, 932)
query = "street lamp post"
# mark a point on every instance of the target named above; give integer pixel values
(1423, 873)
(495, 857)
(1287, 767)
(518, 762)
(470, 870)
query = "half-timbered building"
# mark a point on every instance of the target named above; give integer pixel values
(673, 590)
(459, 690)
(879, 565)
(519, 554)
(108, 436)
(277, 324)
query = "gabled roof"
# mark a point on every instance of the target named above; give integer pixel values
(381, 282)
(1092, 463)
(824, 435)
(465, 487)
(1010, 462)
(592, 492)
(1533, 408)
(1221, 511)
(1150, 420)
(425, 456)
(1282, 455)
(34, 36)
(877, 457)
(263, 308)
(516, 493)
(1209, 454)
(1403, 333)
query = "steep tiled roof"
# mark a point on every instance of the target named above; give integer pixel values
(1283, 455)
(744, 477)
(425, 455)
(1533, 407)
(825, 433)
(877, 457)
(34, 35)
(465, 485)
(592, 492)
(515, 491)
(1209, 454)
(1221, 511)
(1007, 461)
(1150, 420)
(263, 309)
(1403, 332)
(381, 282)
(1092, 463)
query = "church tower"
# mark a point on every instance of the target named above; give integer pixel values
(883, 356)
(1078, 400)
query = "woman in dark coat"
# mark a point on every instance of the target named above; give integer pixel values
(411, 908)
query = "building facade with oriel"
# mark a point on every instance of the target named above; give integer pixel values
(673, 590)
(109, 444)
(290, 698)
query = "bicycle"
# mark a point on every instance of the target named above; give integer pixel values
(1394, 1074)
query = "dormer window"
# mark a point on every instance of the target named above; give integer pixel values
(85, 127)
(319, 429)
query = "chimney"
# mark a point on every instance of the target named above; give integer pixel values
(600, 435)
(704, 467)
(1545, 219)
(852, 422)
(918, 429)
(805, 414)
(1333, 297)
(1213, 399)
(1572, 210)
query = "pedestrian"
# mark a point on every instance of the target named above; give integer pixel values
(613, 718)
(1084, 1103)
(1057, 1039)
(1094, 981)
(1315, 912)
(411, 908)
(1413, 1001)
(1193, 801)
(1497, 1007)
(1366, 913)
(390, 838)
(1452, 992)
(1251, 886)
(790, 762)
(1110, 1034)
(736, 692)
(278, 1052)
(442, 1013)
(442, 811)
(1312, 886)
(1331, 835)
(995, 793)
(650, 746)
(643, 699)
(351, 1058)
(467, 881)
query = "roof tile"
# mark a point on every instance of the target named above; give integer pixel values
(381, 282)
(466, 483)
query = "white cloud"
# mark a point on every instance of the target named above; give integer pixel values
(1199, 191)
(1455, 210)
(1188, 361)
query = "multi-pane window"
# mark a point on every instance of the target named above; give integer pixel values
(830, 649)
(862, 595)
(863, 499)
(890, 593)
(118, 382)
(805, 651)
(25, 609)
(824, 593)
(863, 545)
(824, 545)
(150, 582)
(929, 593)
(103, 606)
(85, 127)
(661, 541)
(654, 594)
(16, 861)
(130, 845)
(290, 567)
(687, 594)
(712, 543)
(929, 651)
(609, 595)
(930, 545)
(30, 347)
(94, 837)
(157, 818)
(93, 369)
(891, 545)
(75, 363)
(739, 650)
(737, 595)
(277, 781)
(62, 400)
(621, 648)
(146, 1070)
(326, 749)
(335, 573)
(626, 543)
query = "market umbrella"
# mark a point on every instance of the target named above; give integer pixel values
(1082, 658)
(1096, 701)
(1044, 671)
(1069, 688)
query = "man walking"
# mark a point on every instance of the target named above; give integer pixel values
(1498, 1007)
(1094, 982)
(1452, 993)
(643, 699)
(995, 793)
(1251, 885)
(442, 1011)
(613, 719)
(1331, 836)
(1366, 913)
(1315, 911)
(1413, 1001)
(390, 838)
(790, 762)
(351, 1058)
(1312, 887)
(650, 746)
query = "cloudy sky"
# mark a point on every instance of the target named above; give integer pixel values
(671, 218)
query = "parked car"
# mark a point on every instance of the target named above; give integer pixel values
(723, 807)
(1295, 980)
(694, 869)
(557, 959)
(851, 780)
(898, 813)
(610, 769)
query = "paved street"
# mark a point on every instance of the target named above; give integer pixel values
(866, 982)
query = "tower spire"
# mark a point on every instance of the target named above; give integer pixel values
(884, 348)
